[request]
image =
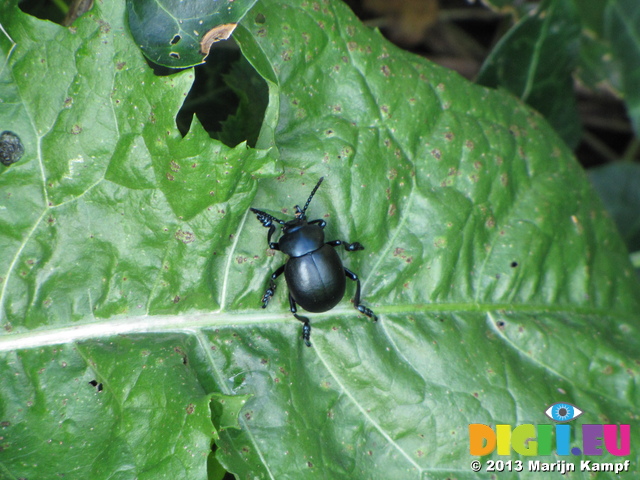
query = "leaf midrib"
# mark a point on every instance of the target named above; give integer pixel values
(194, 321)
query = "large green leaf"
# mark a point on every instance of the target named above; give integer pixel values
(132, 270)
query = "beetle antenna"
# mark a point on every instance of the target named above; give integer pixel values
(266, 219)
(313, 192)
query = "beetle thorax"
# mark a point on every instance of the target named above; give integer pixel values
(299, 238)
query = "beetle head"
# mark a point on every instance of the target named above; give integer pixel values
(295, 224)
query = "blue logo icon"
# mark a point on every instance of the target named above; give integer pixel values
(563, 412)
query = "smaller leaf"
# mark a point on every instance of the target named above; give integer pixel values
(622, 24)
(179, 34)
(596, 66)
(535, 61)
(619, 187)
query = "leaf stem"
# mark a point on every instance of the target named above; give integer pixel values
(632, 150)
(63, 7)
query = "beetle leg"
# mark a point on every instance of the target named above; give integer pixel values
(356, 300)
(349, 247)
(272, 245)
(267, 221)
(272, 287)
(321, 223)
(306, 328)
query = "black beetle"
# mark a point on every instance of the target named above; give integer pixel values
(314, 272)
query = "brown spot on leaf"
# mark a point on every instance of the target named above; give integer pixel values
(216, 34)
(185, 237)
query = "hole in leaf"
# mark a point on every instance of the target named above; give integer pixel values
(58, 12)
(260, 19)
(96, 384)
(174, 55)
(228, 96)
(514, 264)
(213, 465)
(175, 39)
